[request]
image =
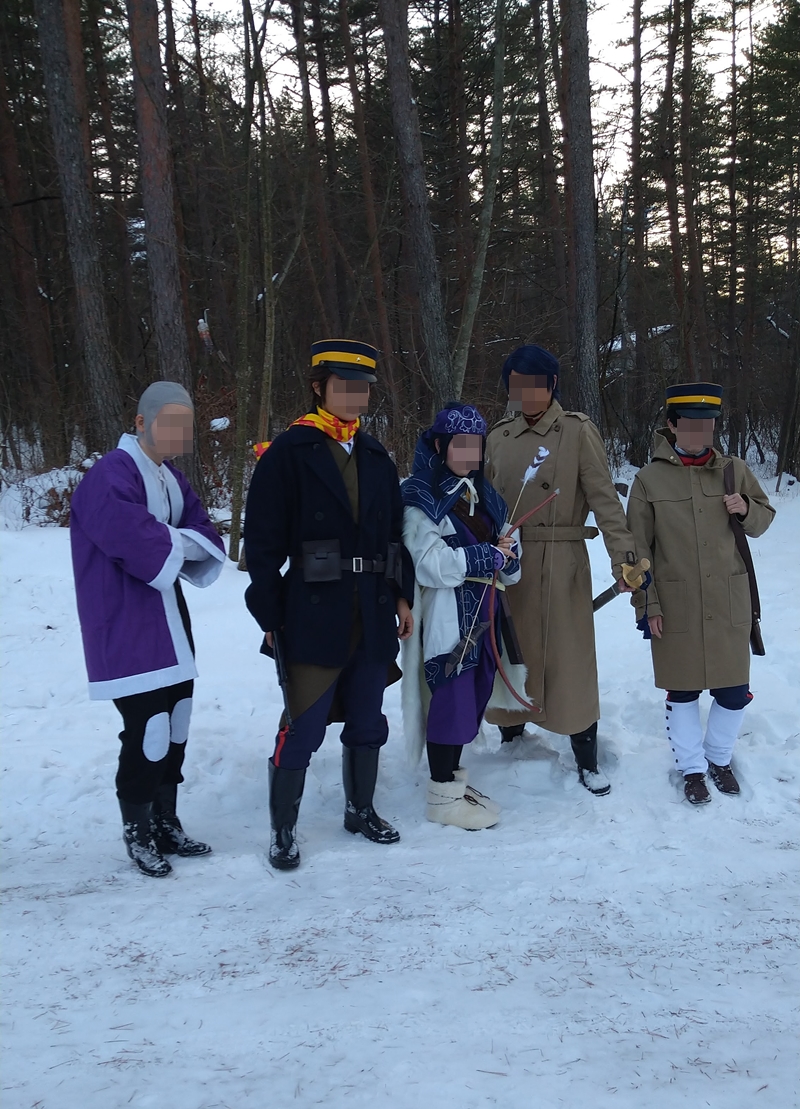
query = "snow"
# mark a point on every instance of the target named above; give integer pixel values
(621, 951)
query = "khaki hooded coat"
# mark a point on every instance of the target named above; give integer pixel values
(700, 586)
(552, 604)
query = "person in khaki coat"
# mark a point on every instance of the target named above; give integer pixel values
(552, 605)
(697, 609)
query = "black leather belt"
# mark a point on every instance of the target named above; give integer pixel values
(357, 565)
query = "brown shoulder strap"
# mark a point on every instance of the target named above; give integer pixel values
(742, 544)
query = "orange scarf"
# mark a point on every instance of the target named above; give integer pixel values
(333, 427)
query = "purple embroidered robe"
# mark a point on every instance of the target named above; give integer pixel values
(132, 524)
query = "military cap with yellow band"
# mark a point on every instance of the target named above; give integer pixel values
(695, 400)
(346, 358)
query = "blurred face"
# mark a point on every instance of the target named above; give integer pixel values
(531, 392)
(346, 400)
(464, 454)
(171, 433)
(693, 436)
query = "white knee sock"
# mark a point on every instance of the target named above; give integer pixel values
(686, 736)
(721, 733)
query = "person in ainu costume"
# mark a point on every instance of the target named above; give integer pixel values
(325, 495)
(454, 530)
(137, 528)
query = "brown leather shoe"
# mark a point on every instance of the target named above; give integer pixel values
(695, 789)
(723, 778)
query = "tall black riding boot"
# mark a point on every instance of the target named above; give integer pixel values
(285, 793)
(137, 832)
(359, 774)
(169, 836)
(584, 748)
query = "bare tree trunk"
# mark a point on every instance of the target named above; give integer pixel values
(331, 320)
(243, 368)
(666, 142)
(163, 266)
(101, 382)
(470, 309)
(555, 218)
(35, 312)
(736, 400)
(639, 391)
(127, 335)
(586, 391)
(371, 215)
(412, 171)
(698, 323)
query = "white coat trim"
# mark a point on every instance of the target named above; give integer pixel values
(143, 683)
(206, 572)
(168, 574)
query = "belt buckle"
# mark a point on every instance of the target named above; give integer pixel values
(358, 565)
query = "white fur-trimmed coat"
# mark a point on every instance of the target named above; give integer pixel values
(440, 570)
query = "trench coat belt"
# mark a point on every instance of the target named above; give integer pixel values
(545, 534)
(357, 565)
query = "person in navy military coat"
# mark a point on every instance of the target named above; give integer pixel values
(325, 496)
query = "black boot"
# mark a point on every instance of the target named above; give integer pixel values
(508, 735)
(359, 774)
(285, 793)
(138, 836)
(584, 748)
(169, 836)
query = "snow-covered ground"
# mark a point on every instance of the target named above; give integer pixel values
(626, 951)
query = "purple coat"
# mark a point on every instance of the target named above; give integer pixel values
(127, 563)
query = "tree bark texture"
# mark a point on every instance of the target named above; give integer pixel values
(102, 392)
(697, 322)
(412, 170)
(473, 292)
(585, 391)
(163, 266)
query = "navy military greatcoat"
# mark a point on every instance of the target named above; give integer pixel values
(297, 495)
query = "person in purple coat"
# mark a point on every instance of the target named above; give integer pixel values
(136, 528)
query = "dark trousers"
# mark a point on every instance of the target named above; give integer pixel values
(731, 697)
(155, 728)
(359, 690)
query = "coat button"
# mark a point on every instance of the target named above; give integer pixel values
(709, 616)
(319, 515)
(545, 485)
(381, 600)
(556, 427)
(502, 488)
(506, 432)
(316, 446)
(314, 599)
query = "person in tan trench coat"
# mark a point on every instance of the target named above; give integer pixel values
(698, 607)
(552, 605)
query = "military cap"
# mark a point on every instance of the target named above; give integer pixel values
(695, 400)
(346, 358)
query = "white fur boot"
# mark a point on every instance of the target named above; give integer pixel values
(686, 736)
(461, 775)
(448, 804)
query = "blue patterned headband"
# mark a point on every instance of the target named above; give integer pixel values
(461, 419)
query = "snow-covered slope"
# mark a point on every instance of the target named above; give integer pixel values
(626, 951)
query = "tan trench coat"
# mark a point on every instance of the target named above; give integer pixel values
(700, 586)
(552, 605)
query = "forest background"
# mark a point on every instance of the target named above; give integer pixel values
(199, 193)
